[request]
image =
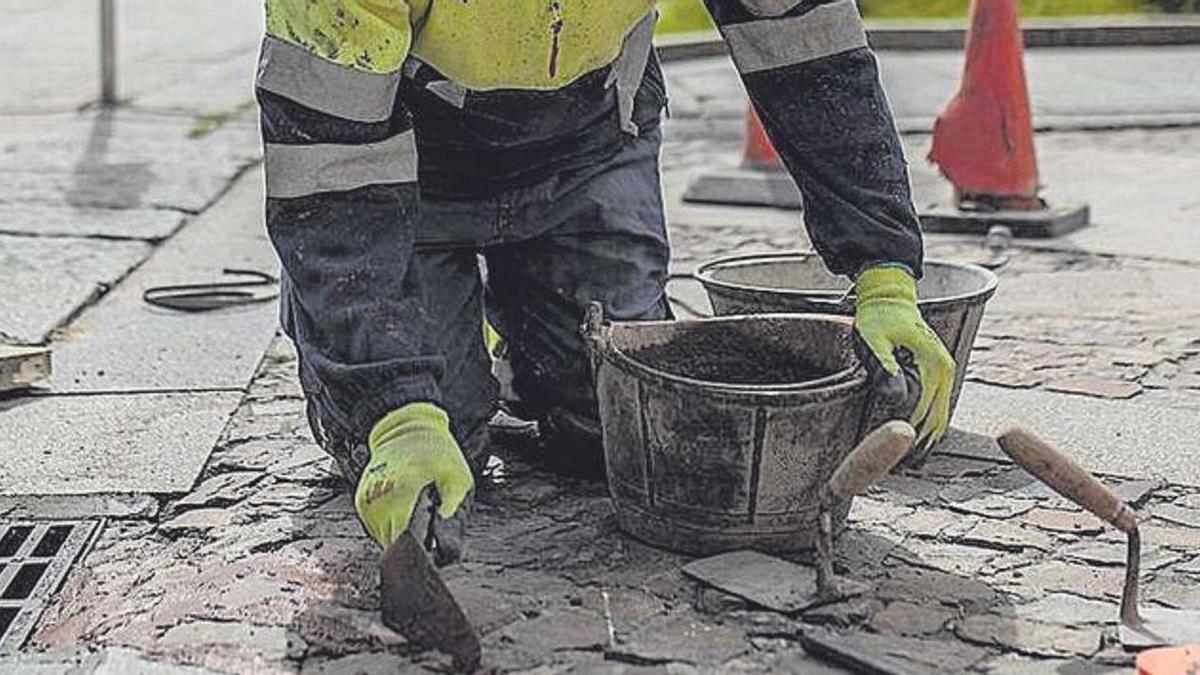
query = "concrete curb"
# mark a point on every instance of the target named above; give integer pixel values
(933, 35)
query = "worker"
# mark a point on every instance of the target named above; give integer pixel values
(426, 159)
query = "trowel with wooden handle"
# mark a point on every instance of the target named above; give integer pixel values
(877, 454)
(1140, 628)
(417, 604)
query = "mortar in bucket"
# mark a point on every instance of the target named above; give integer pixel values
(719, 433)
(951, 295)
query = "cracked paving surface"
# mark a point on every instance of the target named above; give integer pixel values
(264, 568)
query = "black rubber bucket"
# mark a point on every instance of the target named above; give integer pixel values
(706, 449)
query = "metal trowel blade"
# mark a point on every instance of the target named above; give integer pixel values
(1161, 627)
(417, 604)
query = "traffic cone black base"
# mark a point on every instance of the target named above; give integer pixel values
(1043, 223)
(744, 187)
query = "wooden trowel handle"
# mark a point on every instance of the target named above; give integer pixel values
(874, 456)
(1067, 478)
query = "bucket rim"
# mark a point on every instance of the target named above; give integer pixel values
(704, 274)
(851, 376)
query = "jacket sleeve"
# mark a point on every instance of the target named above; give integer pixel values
(342, 205)
(815, 84)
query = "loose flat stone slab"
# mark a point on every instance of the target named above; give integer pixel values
(765, 580)
(47, 280)
(51, 220)
(124, 344)
(1107, 437)
(76, 445)
(22, 366)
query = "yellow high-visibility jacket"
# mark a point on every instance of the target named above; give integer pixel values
(480, 44)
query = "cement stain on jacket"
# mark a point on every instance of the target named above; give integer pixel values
(556, 27)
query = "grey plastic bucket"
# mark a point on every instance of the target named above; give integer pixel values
(706, 466)
(951, 296)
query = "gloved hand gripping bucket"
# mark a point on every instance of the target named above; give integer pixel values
(951, 296)
(719, 433)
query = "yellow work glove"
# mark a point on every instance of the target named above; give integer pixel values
(887, 319)
(411, 448)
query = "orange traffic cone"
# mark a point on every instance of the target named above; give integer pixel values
(983, 142)
(761, 180)
(1169, 661)
(757, 152)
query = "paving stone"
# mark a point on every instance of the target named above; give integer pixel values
(1070, 522)
(848, 613)
(289, 497)
(122, 160)
(68, 221)
(912, 584)
(765, 580)
(1182, 539)
(1089, 386)
(948, 558)
(1096, 432)
(927, 522)
(65, 444)
(1028, 637)
(1017, 664)
(906, 618)
(1179, 592)
(46, 281)
(121, 661)
(1068, 610)
(125, 344)
(1191, 501)
(1135, 492)
(1056, 576)
(200, 519)
(56, 662)
(1006, 535)
(1114, 554)
(269, 643)
(993, 506)
(912, 654)
(559, 629)
(866, 511)
(683, 637)
(74, 507)
(221, 490)
(945, 467)
(1177, 515)
(372, 663)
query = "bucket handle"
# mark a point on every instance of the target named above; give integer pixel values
(595, 334)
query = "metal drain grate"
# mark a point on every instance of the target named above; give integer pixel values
(34, 558)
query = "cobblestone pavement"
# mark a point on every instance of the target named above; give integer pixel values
(263, 568)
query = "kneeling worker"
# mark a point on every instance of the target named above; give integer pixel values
(406, 138)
